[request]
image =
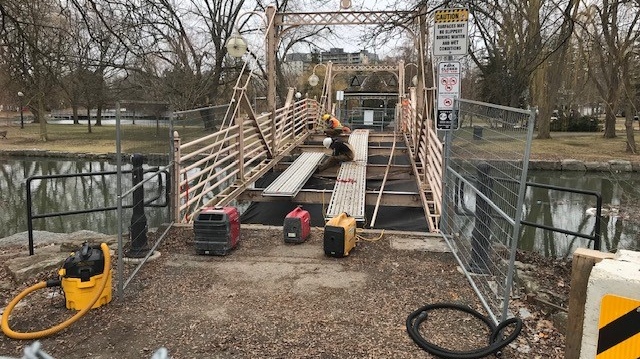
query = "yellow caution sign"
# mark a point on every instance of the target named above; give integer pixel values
(619, 328)
(452, 15)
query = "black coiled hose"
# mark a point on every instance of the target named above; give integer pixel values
(495, 345)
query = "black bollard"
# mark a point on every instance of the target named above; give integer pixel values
(138, 229)
(480, 237)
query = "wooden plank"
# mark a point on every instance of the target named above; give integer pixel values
(582, 263)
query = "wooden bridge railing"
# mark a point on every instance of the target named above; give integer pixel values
(213, 169)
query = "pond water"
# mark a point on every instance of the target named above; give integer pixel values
(69, 194)
(620, 226)
(620, 223)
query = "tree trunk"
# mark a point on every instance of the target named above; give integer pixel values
(630, 112)
(631, 141)
(89, 118)
(74, 108)
(40, 117)
(609, 123)
(99, 116)
(540, 98)
(613, 96)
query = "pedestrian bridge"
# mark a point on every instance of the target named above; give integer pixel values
(221, 167)
(227, 154)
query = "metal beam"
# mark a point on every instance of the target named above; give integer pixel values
(364, 67)
(292, 19)
(373, 151)
(311, 196)
(373, 138)
(374, 172)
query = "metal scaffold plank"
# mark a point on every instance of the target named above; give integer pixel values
(349, 191)
(359, 140)
(289, 183)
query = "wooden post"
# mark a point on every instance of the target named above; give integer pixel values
(240, 146)
(272, 40)
(583, 261)
(175, 191)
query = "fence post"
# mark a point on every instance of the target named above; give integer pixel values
(138, 231)
(481, 231)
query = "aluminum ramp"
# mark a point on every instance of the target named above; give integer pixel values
(290, 182)
(349, 190)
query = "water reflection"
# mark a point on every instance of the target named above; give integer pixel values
(620, 223)
(619, 226)
(59, 195)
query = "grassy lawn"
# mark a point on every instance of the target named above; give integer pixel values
(75, 138)
(583, 146)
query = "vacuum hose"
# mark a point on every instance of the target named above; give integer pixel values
(495, 342)
(43, 333)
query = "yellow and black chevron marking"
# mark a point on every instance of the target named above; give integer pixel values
(452, 15)
(619, 328)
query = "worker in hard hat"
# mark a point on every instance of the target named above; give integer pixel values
(333, 126)
(341, 152)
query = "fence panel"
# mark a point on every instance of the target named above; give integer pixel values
(146, 137)
(486, 162)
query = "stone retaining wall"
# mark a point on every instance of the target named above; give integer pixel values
(577, 165)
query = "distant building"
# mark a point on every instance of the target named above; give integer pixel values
(296, 62)
(339, 56)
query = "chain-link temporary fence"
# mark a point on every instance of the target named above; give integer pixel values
(486, 160)
(143, 145)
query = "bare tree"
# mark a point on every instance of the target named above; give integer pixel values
(609, 32)
(521, 46)
(33, 43)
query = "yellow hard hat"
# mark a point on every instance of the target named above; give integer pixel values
(326, 117)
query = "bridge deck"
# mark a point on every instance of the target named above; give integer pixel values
(349, 190)
(289, 183)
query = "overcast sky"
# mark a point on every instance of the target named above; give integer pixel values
(350, 36)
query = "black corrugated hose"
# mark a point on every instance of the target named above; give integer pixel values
(496, 343)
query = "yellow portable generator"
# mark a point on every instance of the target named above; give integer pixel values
(81, 273)
(339, 235)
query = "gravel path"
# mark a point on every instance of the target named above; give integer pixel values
(271, 300)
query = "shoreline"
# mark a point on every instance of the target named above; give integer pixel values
(569, 165)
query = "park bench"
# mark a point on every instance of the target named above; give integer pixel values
(3, 134)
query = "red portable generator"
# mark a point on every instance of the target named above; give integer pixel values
(217, 230)
(297, 226)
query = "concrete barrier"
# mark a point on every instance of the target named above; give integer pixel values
(612, 309)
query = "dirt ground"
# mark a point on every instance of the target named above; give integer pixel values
(268, 299)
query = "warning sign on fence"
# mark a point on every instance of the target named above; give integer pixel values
(448, 91)
(451, 32)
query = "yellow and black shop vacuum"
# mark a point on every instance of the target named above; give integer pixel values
(86, 283)
(339, 235)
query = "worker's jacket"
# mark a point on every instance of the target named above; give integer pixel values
(333, 123)
(342, 150)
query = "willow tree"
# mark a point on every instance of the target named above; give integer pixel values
(519, 48)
